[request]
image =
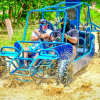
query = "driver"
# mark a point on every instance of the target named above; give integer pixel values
(41, 34)
(71, 35)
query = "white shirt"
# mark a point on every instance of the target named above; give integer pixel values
(48, 31)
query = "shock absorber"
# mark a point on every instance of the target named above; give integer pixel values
(99, 42)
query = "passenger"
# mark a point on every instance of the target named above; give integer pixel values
(41, 34)
(71, 35)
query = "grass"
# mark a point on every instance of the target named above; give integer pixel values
(17, 36)
(95, 17)
(98, 5)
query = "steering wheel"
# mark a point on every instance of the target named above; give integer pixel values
(58, 37)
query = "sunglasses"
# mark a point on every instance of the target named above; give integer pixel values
(41, 23)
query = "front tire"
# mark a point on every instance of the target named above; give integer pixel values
(65, 73)
(3, 67)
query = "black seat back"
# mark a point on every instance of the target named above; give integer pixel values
(72, 26)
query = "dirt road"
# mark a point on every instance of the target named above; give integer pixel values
(85, 87)
(94, 8)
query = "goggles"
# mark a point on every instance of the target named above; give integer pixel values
(41, 23)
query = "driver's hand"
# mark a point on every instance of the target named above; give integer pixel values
(65, 35)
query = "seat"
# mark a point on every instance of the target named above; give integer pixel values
(81, 47)
(72, 26)
(82, 43)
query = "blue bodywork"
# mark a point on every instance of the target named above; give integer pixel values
(61, 49)
(86, 58)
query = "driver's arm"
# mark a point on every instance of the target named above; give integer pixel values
(74, 36)
(40, 35)
(71, 39)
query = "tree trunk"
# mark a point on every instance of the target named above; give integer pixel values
(36, 13)
(30, 13)
(39, 3)
(85, 13)
(20, 13)
(21, 10)
(3, 11)
(15, 11)
(3, 15)
(57, 1)
(48, 3)
(10, 12)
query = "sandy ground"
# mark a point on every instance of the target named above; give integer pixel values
(94, 8)
(86, 86)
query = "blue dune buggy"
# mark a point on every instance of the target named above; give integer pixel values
(60, 65)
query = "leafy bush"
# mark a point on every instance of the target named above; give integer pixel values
(95, 16)
(98, 5)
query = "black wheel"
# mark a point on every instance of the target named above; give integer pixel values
(3, 66)
(65, 73)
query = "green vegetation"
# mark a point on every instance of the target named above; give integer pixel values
(17, 10)
(95, 17)
(98, 5)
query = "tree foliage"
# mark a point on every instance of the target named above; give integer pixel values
(17, 10)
